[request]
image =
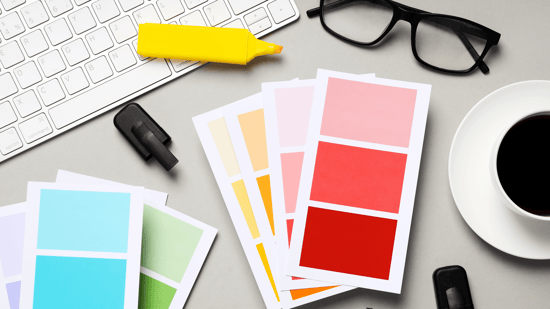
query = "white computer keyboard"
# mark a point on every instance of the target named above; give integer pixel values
(63, 62)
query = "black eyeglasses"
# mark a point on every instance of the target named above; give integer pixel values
(445, 43)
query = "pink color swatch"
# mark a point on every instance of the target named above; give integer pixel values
(291, 165)
(293, 109)
(368, 112)
(358, 177)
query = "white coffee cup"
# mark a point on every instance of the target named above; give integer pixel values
(494, 173)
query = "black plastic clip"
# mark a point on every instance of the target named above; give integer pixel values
(452, 290)
(145, 135)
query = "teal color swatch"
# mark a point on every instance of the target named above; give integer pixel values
(168, 243)
(83, 221)
(84, 283)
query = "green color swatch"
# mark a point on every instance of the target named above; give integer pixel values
(168, 243)
(154, 294)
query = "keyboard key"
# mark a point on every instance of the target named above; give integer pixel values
(27, 103)
(193, 3)
(34, 43)
(27, 74)
(255, 16)
(58, 7)
(98, 69)
(34, 14)
(281, 10)
(8, 86)
(82, 20)
(11, 4)
(260, 26)
(147, 14)
(51, 63)
(217, 12)
(9, 141)
(105, 10)
(51, 92)
(11, 25)
(193, 19)
(58, 31)
(81, 2)
(170, 8)
(99, 40)
(123, 29)
(75, 52)
(129, 4)
(122, 58)
(240, 6)
(237, 23)
(180, 65)
(10, 54)
(7, 115)
(35, 128)
(75, 81)
(115, 90)
(141, 58)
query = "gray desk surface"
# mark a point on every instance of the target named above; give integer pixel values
(439, 235)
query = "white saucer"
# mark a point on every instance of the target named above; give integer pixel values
(473, 191)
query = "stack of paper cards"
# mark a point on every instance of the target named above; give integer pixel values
(93, 243)
(322, 174)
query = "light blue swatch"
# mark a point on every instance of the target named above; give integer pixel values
(83, 221)
(84, 283)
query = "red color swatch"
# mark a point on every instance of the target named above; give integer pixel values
(289, 225)
(348, 243)
(358, 177)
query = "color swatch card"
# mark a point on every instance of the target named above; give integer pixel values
(287, 108)
(12, 234)
(82, 246)
(214, 136)
(212, 130)
(358, 181)
(174, 248)
(246, 126)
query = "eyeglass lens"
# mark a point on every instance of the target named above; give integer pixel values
(448, 43)
(362, 21)
(440, 41)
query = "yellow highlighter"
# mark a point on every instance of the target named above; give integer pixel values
(206, 44)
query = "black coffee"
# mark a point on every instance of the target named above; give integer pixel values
(523, 164)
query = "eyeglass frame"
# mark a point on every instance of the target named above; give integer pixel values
(414, 16)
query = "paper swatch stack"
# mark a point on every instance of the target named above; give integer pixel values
(84, 242)
(319, 177)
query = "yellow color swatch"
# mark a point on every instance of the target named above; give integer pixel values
(220, 134)
(265, 189)
(263, 256)
(253, 128)
(296, 294)
(244, 202)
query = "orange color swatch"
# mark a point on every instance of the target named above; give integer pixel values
(296, 294)
(264, 184)
(253, 128)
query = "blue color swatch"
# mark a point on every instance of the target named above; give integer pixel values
(83, 221)
(84, 283)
